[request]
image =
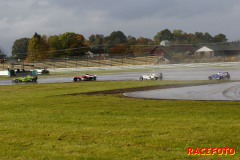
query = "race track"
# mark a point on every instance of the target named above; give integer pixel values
(224, 91)
(195, 71)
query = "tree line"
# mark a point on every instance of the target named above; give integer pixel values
(72, 44)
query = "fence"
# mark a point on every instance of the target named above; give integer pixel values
(77, 62)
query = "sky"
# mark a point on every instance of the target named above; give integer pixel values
(138, 18)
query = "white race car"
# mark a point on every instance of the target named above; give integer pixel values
(151, 77)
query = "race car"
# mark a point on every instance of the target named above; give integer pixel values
(86, 77)
(42, 71)
(219, 76)
(151, 77)
(25, 79)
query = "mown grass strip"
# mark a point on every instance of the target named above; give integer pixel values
(35, 124)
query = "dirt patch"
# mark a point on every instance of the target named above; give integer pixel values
(117, 91)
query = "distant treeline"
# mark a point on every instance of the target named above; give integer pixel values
(73, 44)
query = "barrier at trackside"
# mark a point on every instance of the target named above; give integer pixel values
(21, 73)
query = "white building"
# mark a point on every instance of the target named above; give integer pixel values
(165, 43)
(204, 52)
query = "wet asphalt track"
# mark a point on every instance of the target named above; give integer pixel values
(225, 91)
(199, 71)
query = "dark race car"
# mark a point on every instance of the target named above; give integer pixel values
(25, 79)
(42, 71)
(86, 77)
(219, 76)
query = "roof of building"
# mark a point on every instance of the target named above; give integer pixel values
(157, 50)
(224, 46)
(165, 41)
(180, 48)
(204, 49)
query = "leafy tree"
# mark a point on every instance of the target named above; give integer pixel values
(220, 38)
(184, 38)
(177, 35)
(191, 38)
(140, 48)
(120, 49)
(37, 47)
(97, 43)
(92, 39)
(116, 37)
(97, 40)
(20, 48)
(72, 44)
(199, 37)
(144, 41)
(165, 34)
(55, 46)
(66, 40)
(207, 38)
(78, 45)
(180, 37)
(131, 40)
(44, 47)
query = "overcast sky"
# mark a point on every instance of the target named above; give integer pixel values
(22, 18)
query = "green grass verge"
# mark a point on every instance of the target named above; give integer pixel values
(36, 124)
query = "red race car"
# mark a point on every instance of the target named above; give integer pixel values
(86, 77)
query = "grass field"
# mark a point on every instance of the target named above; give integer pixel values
(39, 121)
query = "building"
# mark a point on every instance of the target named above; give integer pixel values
(165, 43)
(89, 54)
(157, 51)
(180, 48)
(204, 52)
(96, 54)
(221, 49)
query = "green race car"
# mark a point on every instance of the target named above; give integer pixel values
(25, 79)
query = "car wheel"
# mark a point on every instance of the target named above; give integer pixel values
(75, 79)
(16, 80)
(228, 77)
(141, 78)
(210, 77)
